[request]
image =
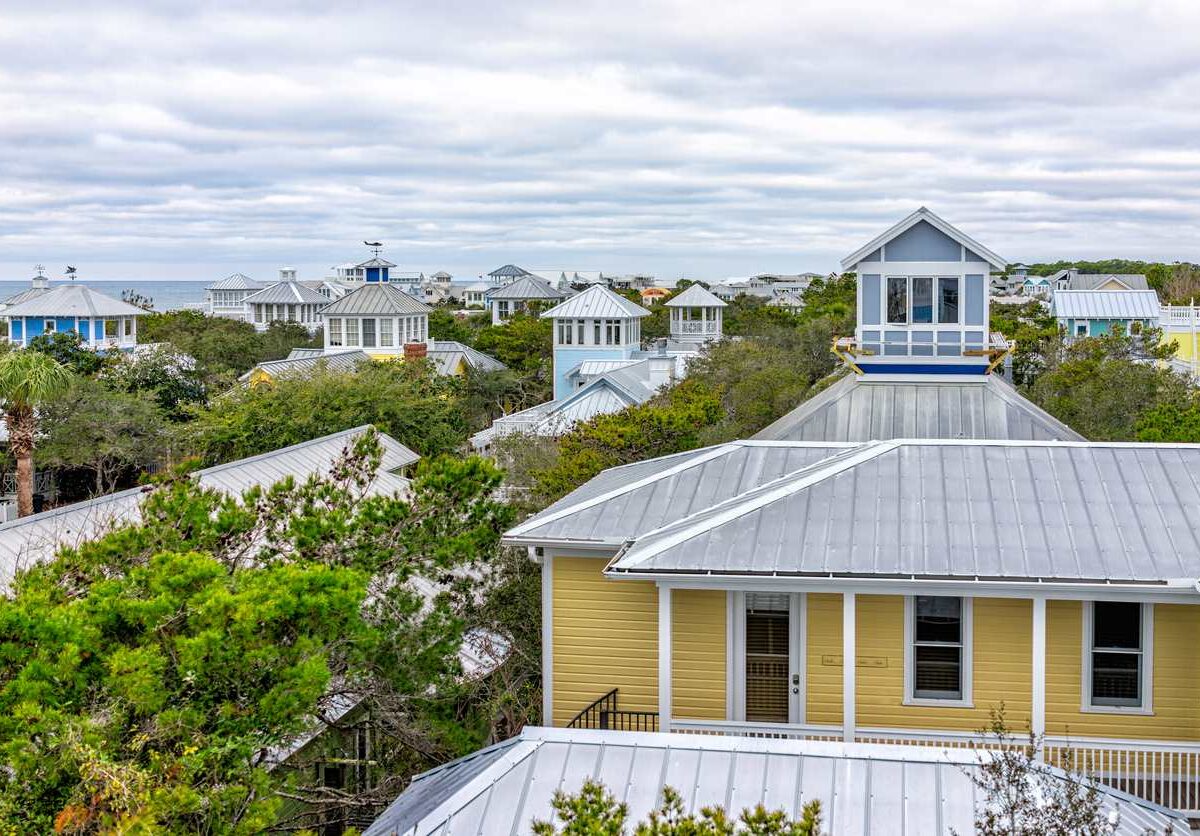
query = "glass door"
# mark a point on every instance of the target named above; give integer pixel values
(768, 660)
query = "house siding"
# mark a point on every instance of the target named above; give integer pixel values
(698, 654)
(605, 636)
(1176, 677)
(823, 698)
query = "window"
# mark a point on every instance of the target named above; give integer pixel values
(937, 656)
(368, 333)
(110, 329)
(128, 326)
(335, 331)
(612, 328)
(947, 301)
(385, 332)
(596, 323)
(352, 332)
(1081, 329)
(579, 323)
(897, 299)
(922, 299)
(49, 326)
(258, 313)
(1117, 636)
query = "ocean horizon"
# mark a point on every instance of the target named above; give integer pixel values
(167, 295)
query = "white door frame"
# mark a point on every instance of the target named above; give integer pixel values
(735, 656)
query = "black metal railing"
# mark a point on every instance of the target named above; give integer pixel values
(605, 714)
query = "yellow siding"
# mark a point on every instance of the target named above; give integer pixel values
(698, 654)
(605, 636)
(1002, 666)
(1187, 345)
(823, 701)
(1176, 677)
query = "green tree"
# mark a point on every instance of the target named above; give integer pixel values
(1171, 422)
(167, 375)
(524, 343)
(223, 348)
(27, 380)
(1035, 332)
(593, 811)
(444, 325)
(282, 336)
(67, 348)
(409, 401)
(107, 433)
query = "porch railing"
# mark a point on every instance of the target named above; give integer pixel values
(605, 714)
(1163, 772)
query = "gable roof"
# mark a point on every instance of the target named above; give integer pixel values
(446, 354)
(1094, 281)
(526, 287)
(73, 300)
(596, 302)
(963, 510)
(858, 409)
(374, 299)
(286, 293)
(863, 788)
(38, 536)
(1105, 304)
(695, 296)
(924, 215)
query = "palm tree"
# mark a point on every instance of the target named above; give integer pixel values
(27, 379)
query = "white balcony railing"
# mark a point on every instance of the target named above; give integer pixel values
(1179, 316)
(696, 327)
(1164, 772)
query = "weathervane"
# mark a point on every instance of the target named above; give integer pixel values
(376, 247)
(71, 272)
(41, 269)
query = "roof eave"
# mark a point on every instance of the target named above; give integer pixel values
(912, 220)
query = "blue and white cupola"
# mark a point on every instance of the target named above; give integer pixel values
(922, 302)
(594, 325)
(376, 270)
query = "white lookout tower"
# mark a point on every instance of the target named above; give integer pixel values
(695, 316)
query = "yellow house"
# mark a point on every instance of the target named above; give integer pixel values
(907, 552)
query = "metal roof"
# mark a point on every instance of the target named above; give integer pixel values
(1091, 281)
(858, 409)
(37, 537)
(526, 287)
(863, 788)
(375, 300)
(626, 502)
(695, 296)
(376, 262)
(289, 293)
(509, 271)
(1105, 304)
(335, 361)
(596, 301)
(236, 281)
(446, 354)
(963, 509)
(24, 295)
(937, 223)
(73, 300)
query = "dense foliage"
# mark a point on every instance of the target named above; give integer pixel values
(223, 348)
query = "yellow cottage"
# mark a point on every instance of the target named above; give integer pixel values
(910, 550)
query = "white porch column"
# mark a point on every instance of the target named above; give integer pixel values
(664, 658)
(547, 637)
(849, 659)
(1038, 720)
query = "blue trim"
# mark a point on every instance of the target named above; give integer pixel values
(922, 368)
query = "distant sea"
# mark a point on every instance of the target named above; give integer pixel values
(167, 296)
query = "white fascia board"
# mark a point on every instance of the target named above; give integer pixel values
(912, 220)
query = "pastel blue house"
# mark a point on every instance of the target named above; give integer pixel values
(594, 325)
(1094, 313)
(102, 321)
(922, 300)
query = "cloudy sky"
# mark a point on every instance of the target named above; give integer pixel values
(706, 139)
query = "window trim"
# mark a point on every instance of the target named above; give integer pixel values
(1087, 618)
(967, 700)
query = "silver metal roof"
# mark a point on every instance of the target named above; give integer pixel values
(376, 300)
(73, 300)
(337, 361)
(236, 281)
(695, 296)
(509, 271)
(446, 355)
(858, 409)
(290, 293)
(1091, 281)
(863, 788)
(24, 295)
(596, 301)
(39, 536)
(966, 509)
(623, 503)
(1105, 304)
(526, 287)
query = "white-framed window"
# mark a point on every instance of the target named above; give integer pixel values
(129, 326)
(385, 332)
(596, 332)
(897, 300)
(111, 329)
(948, 300)
(368, 332)
(335, 330)
(579, 325)
(49, 326)
(1081, 329)
(1118, 656)
(258, 312)
(937, 650)
(352, 332)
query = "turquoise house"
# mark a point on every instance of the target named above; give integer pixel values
(103, 322)
(1094, 313)
(594, 325)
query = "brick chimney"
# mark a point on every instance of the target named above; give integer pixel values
(415, 351)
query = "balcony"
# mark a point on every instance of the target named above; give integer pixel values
(882, 345)
(695, 327)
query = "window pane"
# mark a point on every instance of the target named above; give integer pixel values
(897, 299)
(922, 301)
(368, 333)
(947, 300)
(766, 666)
(937, 672)
(1116, 624)
(938, 619)
(1116, 679)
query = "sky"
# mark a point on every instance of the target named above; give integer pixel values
(189, 140)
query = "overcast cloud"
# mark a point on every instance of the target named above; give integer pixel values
(707, 139)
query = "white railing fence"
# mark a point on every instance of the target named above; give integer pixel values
(1163, 772)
